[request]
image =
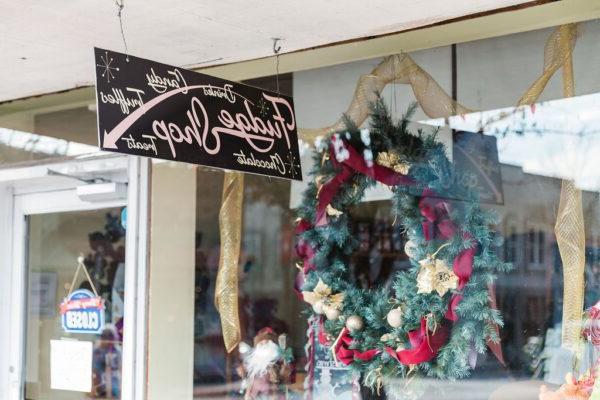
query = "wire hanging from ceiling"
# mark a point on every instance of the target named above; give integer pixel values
(120, 6)
(276, 50)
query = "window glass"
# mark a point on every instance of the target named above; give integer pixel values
(55, 241)
(535, 153)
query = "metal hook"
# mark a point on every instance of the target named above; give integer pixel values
(276, 49)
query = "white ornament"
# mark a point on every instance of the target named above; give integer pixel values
(394, 317)
(410, 248)
(354, 323)
(331, 313)
(318, 307)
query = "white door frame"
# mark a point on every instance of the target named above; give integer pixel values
(32, 190)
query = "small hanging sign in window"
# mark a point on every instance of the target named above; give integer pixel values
(82, 311)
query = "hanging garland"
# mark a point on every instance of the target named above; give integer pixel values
(437, 314)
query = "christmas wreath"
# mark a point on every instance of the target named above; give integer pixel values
(437, 313)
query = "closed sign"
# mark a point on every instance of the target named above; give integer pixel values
(82, 312)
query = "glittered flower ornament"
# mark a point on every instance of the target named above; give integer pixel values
(392, 161)
(591, 330)
(435, 275)
(321, 298)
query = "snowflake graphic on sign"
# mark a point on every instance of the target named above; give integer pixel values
(107, 69)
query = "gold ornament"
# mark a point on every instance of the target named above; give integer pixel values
(392, 160)
(332, 212)
(435, 275)
(394, 317)
(354, 323)
(332, 314)
(321, 298)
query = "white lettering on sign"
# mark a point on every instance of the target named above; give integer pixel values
(274, 162)
(117, 97)
(139, 145)
(82, 320)
(224, 92)
(161, 83)
(260, 135)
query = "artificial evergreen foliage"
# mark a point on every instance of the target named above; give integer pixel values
(334, 244)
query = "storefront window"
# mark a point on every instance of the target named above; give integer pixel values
(266, 284)
(531, 158)
(55, 241)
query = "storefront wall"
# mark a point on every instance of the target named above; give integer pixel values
(176, 348)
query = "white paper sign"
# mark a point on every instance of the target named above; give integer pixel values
(71, 365)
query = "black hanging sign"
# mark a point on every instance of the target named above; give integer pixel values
(156, 110)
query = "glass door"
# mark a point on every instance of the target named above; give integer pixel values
(69, 273)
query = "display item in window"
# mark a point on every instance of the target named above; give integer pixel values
(267, 367)
(438, 329)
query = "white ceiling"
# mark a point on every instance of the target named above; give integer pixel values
(46, 46)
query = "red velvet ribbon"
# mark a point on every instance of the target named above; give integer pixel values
(347, 355)
(354, 163)
(425, 345)
(438, 225)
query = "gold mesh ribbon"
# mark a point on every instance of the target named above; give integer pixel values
(557, 53)
(569, 228)
(570, 236)
(226, 289)
(434, 101)
(399, 68)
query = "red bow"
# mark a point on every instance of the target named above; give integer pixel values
(437, 224)
(347, 355)
(425, 345)
(352, 164)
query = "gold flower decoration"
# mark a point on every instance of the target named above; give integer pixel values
(332, 212)
(322, 292)
(435, 275)
(392, 160)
